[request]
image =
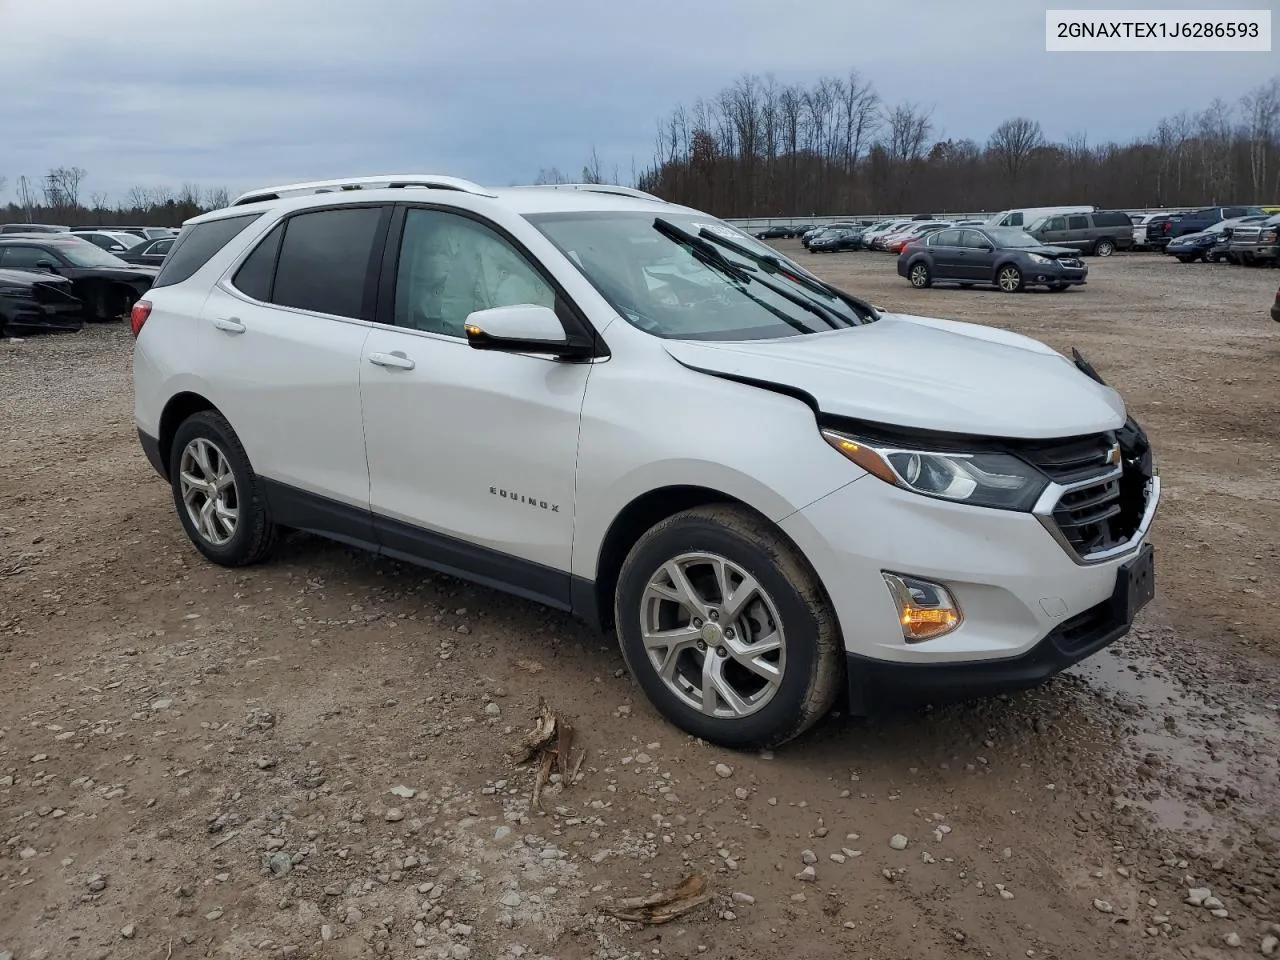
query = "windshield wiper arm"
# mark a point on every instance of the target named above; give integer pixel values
(778, 266)
(699, 244)
(710, 255)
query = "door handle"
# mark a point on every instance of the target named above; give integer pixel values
(395, 358)
(229, 324)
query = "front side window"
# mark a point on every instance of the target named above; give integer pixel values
(450, 266)
(974, 240)
(324, 261)
(1056, 223)
(1009, 238)
(664, 276)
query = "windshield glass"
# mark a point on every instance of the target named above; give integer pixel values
(695, 290)
(1013, 237)
(82, 253)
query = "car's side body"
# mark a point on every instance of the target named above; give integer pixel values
(1099, 233)
(107, 290)
(543, 474)
(37, 302)
(975, 255)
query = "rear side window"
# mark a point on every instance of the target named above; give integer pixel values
(945, 238)
(325, 262)
(1077, 223)
(257, 273)
(197, 244)
(1112, 219)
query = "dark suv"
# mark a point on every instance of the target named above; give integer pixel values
(1195, 221)
(1100, 233)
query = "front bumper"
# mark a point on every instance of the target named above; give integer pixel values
(1030, 607)
(875, 685)
(1256, 251)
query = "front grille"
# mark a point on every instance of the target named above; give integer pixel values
(1071, 262)
(1247, 234)
(1103, 506)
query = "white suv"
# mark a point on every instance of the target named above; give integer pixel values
(633, 411)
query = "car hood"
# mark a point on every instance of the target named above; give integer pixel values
(132, 270)
(924, 373)
(1191, 237)
(1049, 250)
(25, 278)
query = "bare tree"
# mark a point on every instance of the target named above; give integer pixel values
(550, 175)
(1262, 121)
(215, 198)
(909, 129)
(1013, 143)
(591, 172)
(3, 182)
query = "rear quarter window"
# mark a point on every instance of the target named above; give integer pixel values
(1112, 220)
(197, 244)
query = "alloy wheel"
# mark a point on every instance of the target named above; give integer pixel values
(1010, 279)
(713, 635)
(209, 491)
(919, 275)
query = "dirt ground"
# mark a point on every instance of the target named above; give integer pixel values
(306, 759)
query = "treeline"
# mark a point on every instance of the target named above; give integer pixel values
(59, 197)
(763, 149)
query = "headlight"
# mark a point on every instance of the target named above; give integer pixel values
(1036, 258)
(22, 293)
(998, 480)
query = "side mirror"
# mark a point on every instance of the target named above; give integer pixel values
(47, 265)
(523, 328)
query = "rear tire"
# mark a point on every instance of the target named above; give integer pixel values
(1104, 248)
(219, 499)
(707, 678)
(919, 275)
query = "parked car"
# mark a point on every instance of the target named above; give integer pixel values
(145, 233)
(817, 230)
(1159, 231)
(151, 252)
(1005, 257)
(777, 231)
(33, 228)
(286, 376)
(1140, 222)
(1183, 223)
(105, 284)
(1257, 242)
(1100, 233)
(32, 302)
(1025, 216)
(836, 238)
(896, 243)
(873, 235)
(109, 240)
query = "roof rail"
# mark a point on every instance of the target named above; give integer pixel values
(384, 182)
(610, 188)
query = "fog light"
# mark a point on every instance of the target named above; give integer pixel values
(926, 610)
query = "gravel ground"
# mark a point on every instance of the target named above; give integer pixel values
(309, 758)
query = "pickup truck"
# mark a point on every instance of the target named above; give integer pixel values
(1256, 242)
(1197, 220)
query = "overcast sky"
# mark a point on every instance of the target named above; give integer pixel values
(241, 93)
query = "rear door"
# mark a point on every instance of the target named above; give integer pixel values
(944, 249)
(282, 336)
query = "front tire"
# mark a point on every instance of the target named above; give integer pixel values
(1009, 279)
(919, 275)
(219, 498)
(725, 627)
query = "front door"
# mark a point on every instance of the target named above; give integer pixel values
(472, 453)
(1054, 232)
(979, 258)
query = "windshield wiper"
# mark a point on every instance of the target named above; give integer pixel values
(709, 253)
(778, 266)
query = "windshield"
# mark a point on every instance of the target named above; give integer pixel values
(82, 253)
(677, 277)
(1012, 237)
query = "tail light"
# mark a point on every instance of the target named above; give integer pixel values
(138, 316)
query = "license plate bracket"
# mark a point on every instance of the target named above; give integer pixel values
(1136, 583)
